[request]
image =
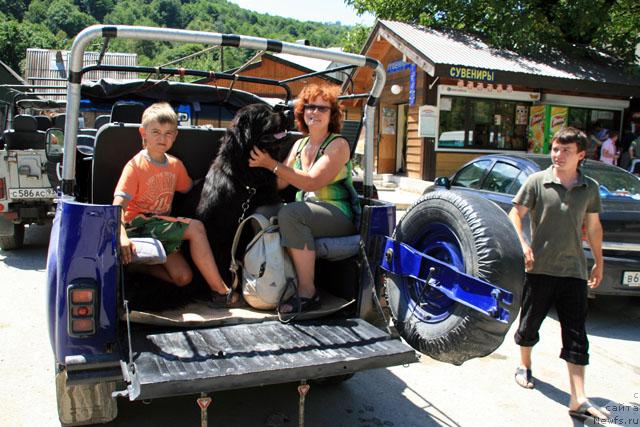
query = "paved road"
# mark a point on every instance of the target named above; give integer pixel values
(429, 393)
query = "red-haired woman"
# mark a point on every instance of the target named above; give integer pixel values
(326, 205)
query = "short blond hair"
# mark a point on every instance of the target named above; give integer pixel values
(160, 112)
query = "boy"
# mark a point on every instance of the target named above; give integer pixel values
(145, 192)
(560, 200)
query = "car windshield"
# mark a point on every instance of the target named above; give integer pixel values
(612, 180)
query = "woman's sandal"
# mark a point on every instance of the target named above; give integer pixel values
(298, 305)
(524, 378)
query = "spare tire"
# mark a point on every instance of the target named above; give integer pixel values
(474, 236)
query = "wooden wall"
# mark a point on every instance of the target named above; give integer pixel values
(447, 163)
(271, 69)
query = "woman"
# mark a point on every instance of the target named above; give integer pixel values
(326, 205)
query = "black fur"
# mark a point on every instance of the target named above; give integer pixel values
(226, 186)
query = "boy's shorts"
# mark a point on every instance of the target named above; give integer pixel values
(168, 230)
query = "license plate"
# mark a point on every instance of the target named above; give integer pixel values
(31, 193)
(631, 278)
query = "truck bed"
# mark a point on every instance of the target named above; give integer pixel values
(249, 355)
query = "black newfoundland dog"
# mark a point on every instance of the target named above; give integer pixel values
(231, 184)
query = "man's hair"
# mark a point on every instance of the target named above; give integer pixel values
(160, 112)
(570, 135)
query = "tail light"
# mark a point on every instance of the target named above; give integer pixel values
(83, 303)
(3, 189)
(584, 232)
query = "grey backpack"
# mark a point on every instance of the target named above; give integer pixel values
(266, 271)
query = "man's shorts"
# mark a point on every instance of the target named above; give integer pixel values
(168, 230)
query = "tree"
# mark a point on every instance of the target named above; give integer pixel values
(526, 26)
(16, 37)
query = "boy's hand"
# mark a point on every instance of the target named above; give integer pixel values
(126, 249)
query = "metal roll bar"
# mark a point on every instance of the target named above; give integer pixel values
(89, 34)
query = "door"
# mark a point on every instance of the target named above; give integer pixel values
(387, 147)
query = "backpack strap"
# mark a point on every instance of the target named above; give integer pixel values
(265, 226)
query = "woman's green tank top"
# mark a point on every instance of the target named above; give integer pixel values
(340, 191)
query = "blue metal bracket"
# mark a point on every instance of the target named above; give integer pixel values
(401, 259)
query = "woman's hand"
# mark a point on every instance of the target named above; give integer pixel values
(261, 159)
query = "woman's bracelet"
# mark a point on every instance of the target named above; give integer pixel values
(275, 168)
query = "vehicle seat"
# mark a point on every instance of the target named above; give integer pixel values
(25, 134)
(127, 112)
(58, 121)
(117, 143)
(102, 120)
(44, 122)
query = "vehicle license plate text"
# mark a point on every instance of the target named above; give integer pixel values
(631, 278)
(31, 193)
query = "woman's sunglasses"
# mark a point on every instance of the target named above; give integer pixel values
(318, 108)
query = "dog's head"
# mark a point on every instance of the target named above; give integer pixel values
(256, 125)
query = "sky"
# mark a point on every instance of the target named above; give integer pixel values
(305, 10)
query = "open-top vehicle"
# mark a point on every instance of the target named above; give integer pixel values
(452, 268)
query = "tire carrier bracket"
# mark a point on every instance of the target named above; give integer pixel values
(403, 260)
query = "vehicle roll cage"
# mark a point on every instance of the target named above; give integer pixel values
(108, 32)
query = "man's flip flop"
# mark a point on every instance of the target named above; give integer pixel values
(582, 412)
(524, 378)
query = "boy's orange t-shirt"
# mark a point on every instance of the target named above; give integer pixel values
(149, 186)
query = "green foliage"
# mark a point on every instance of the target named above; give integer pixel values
(526, 27)
(58, 21)
(16, 37)
(356, 38)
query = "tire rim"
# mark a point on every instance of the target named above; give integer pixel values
(440, 242)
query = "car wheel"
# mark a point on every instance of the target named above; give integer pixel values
(475, 236)
(15, 240)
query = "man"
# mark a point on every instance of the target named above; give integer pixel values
(560, 200)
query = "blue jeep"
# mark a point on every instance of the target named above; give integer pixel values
(449, 273)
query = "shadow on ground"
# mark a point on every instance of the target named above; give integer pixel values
(351, 403)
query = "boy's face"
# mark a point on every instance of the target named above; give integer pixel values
(159, 137)
(566, 157)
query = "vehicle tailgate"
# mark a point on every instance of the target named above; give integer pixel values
(248, 355)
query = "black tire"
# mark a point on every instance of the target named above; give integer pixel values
(14, 241)
(483, 243)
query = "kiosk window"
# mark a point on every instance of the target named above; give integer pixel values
(475, 123)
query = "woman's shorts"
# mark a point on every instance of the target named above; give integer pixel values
(168, 230)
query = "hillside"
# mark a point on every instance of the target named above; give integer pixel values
(53, 24)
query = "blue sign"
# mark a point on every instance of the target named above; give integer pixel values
(397, 66)
(412, 84)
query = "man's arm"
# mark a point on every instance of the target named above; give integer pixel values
(515, 215)
(126, 246)
(594, 236)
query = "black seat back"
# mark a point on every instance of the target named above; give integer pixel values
(127, 112)
(101, 121)
(44, 122)
(25, 134)
(351, 132)
(117, 143)
(58, 121)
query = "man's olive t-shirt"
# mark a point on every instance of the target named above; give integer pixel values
(557, 215)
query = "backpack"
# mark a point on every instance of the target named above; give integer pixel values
(266, 270)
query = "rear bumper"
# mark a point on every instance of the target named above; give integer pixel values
(614, 268)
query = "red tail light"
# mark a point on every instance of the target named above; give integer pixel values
(584, 232)
(82, 301)
(3, 189)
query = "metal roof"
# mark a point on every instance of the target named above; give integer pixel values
(459, 48)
